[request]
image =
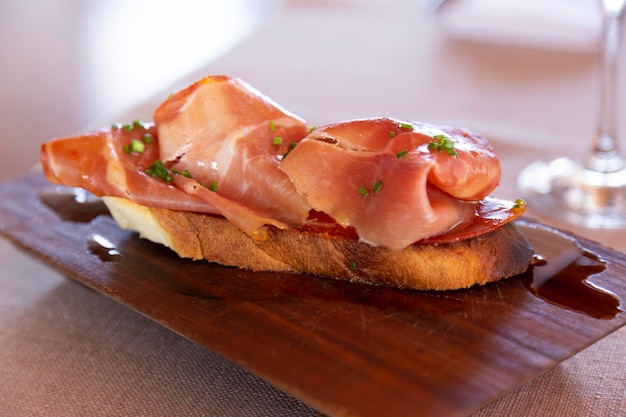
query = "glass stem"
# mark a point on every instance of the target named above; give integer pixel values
(605, 156)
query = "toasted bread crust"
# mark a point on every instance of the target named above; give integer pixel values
(499, 254)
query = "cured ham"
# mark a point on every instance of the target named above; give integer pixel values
(226, 133)
(224, 136)
(394, 182)
(102, 163)
(221, 147)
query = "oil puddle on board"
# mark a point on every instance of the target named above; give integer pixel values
(562, 271)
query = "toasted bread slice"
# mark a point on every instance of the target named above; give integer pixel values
(328, 252)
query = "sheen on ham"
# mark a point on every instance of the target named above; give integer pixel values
(395, 182)
(226, 133)
(99, 163)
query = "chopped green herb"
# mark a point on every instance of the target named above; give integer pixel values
(184, 173)
(402, 154)
(363, 191)
(147, 138)
(377, 186)
(137, 146)
(137, 123)
(519, 203)
(292, 145)
(441, 143)
(277, 140)
(406, 126)
(311, 129)
(158, 170)
(392, 134)
(126, 148)
(272, 126)
(170, 96)
(213, 186)
(352, 265)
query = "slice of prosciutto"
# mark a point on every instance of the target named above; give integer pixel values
(102, 162)
(225, 133)
(224, 136)
(394, 182)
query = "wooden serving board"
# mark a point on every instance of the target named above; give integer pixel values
(345, 349)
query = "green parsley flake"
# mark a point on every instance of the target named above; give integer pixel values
(406, 126)
(352, 265)
(213, 186)
(147, 138)
(402, 154)
(272, 126)
(363, 191)
(377, 186)
(277, 140)
(441, 143)
(392, 134)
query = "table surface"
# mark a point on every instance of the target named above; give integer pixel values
(66, 350)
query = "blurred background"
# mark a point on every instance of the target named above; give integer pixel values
(506, 69)
(64, 63)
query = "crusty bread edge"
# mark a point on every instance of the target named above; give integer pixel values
(502, 253)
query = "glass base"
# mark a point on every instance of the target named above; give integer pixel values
(564, 190)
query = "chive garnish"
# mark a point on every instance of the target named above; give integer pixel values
(406, 126)
(184, 173)
(377, 186)
(158, 170)
(272, 126)
(277, 140)
(137, 146)
(352, 265)
(402, 153)
(292, 145)
(441, 143)
(519, 203)
(363, 191)
(213, 186)
(392, 134)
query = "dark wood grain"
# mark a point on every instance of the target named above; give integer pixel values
(345, 349)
